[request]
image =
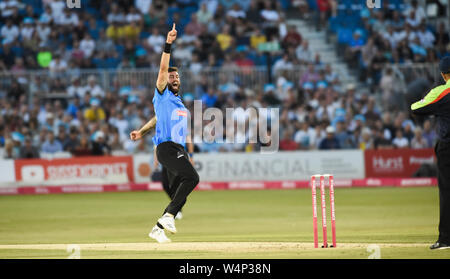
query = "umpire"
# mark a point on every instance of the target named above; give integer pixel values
(437, 103)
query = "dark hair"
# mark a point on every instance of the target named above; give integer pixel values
(173, 69)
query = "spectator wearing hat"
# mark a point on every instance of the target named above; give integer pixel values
(27, 30)
(354, 47)
(330, 141)
(99, 145)
(269, 95)
(94, 113)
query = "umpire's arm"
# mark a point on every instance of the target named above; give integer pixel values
(429, 104)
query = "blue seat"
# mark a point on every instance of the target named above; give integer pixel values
(111, 63)
(344, 35)
(94, 33)
(312, 4)
(333, 24)
(119, 49)
(144, 35)
(102, 24)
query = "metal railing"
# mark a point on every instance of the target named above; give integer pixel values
(111, 80)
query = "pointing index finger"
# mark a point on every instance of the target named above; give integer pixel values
(173, 27)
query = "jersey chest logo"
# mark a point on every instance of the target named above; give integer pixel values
(182, 113)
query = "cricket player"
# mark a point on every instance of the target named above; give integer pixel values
(170, 139)
(437, 102)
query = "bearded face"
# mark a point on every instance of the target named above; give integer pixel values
(174, 82)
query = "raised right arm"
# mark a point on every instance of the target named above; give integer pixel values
(163, 74)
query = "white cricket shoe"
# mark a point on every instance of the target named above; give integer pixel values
(168, 222)
(159, 235)
(179, 216)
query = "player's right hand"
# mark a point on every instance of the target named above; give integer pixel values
(135, 135)
(172, 35)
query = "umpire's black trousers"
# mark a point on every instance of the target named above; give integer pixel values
(181, 174)
(442, 150)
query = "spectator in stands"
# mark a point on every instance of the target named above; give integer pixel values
(287, 143)
(342, 135)
(418, 141)
(442, 37)
(203, 14)
(155, 41)
(51, 145)
(292, 38)
(324, 12)
(57, 67)
(429, 133)
(9, 32)
(194, 28)
(310, 75)
(330, 141)
(76, 89)
(16, 91)
(94, 113)
(224, 38)
(236, 11)
(9, 150)
(400, 141)
(143, 6)
(416, 10)
(99, 145)
(83, 148)
(93, 87)
(115, 141)
(72, 141)
(28, 151)
(354, 48)
(87, 44)
(366, 140)
(425, 36)
(27, 29)
(270, 16)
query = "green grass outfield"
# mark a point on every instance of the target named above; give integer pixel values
(400, 222)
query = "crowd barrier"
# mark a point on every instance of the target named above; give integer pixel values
(219, 171)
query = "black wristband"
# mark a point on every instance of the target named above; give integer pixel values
(167, 48)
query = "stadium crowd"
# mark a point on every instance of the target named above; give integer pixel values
(88, 117)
